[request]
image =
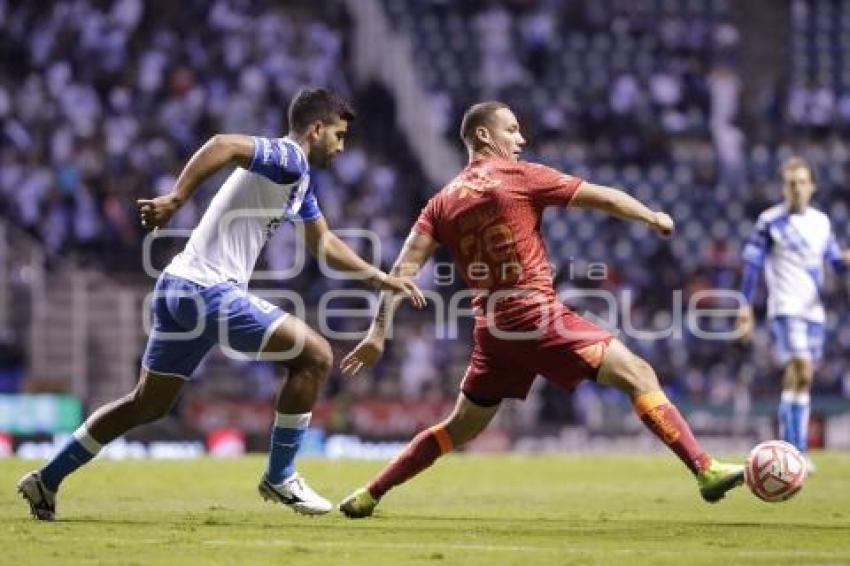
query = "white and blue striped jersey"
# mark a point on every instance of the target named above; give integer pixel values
(792, 248)
(246, 211)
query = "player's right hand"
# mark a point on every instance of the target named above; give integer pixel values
(406, 287)
(663, 224)
(366, 354)
(156, 212)
(745, 324)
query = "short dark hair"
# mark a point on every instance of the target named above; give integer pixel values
(475, 116)
(310, 105)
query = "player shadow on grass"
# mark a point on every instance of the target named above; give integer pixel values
(523, 526)
(609, 524)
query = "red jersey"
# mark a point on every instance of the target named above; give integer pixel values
(489, 216)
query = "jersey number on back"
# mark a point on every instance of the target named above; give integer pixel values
(490, 257)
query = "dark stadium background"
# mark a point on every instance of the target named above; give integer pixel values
(689, 104)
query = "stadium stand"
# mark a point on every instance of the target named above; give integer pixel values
(101, 102)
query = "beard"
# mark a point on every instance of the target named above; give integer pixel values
(320, 158)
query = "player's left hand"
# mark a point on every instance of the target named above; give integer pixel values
(156, 212)
(745, 324)
(406, 287)
(366, 354)
(663, 224)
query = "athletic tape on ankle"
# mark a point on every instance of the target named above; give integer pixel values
(86, 440)
(647, 401)
(282, 420)
(802, 398)
(443, 439)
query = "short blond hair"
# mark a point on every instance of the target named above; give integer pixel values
(478, 115)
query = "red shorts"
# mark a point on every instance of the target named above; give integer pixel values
(562, 347)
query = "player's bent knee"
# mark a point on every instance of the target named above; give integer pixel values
(317, 357)
(468, 420)
(644, 378)
(326, 357)
(627, 371)
(322, 358)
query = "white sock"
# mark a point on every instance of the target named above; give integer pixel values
(283, 420)
(87, 441)
(802, 398)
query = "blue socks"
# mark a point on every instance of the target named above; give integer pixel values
(786, 422)
(800, 409)
(286, 438)
(794, 409)
(79, 450)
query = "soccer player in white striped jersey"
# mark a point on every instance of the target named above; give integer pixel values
(201, 298)
(792, 241)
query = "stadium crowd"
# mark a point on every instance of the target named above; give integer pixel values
(101, 102)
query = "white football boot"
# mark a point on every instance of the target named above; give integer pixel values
(295, 493)
(42, 501)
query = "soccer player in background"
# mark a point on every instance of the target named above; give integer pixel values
(201, 298)
(790, 241)
(489, 216)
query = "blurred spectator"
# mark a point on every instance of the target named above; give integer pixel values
(102, 102)
(11, 365)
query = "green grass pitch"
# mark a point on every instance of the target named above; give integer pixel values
(465, 510)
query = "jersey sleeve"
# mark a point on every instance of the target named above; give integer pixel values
(755, 251)
(758, 244)
(428, 222)
(309, 210)
(833, 254)
(549, 187)
(277, 160)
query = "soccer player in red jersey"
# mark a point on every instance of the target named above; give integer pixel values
(489, 216)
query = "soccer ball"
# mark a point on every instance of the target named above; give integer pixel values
(775, 471)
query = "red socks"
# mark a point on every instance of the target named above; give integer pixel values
(654, 409)
(422, 451)
(665, 421)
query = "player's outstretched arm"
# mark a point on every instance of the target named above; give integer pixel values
(617, 203)
(326, 246)
(839, 259)
(418, 248)
(753, 256)
(219, 151)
